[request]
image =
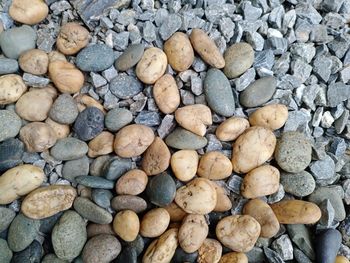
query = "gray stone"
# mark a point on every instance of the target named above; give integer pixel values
(148, 118)
(299, 184)
(102, 197)
(322, 67)
(281, 65)
(277, 45)
(187, 97)
(344, 228)
(5, 252)
(35, 81)
(69, 235)
(213, 143)
(327, 244)
(117, 118)
(8, 66)
(74, 168)
(149, 32)
(11, 152)
(218, 93)
(129, 202)
(256, 255)
(278, 196)
(245, 80)
(69, 149)
(300, 236)
(115, 167)
(328, 213)
(130, 57)
(332, 5)
(345, 74)
(196, 85)
(304, 51)
(166, 126)
(339, 46)
(276, 16)
(346, 188)
(255, 40)
(96, 57)
(10, 124)
(272, 256)
(64, 110)
(170, 25)
(300, 257)
(198, 65)
(323, 169)
(337, 93)
(89, 123)
(283, 247)
(91, 211)
(226, 27)
(52, 258)
(183, 139)
(264, 59)
(120, 40)
(97, 80)
(22, 232)
(250, 12)
(300, 69)
(94, 182)
(308, 12)
(16, 40)
(297, 120)
(238, 58)
(6, 217)
(259, 92)
(33, 252)
(124, 86)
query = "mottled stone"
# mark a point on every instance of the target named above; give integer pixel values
(259, 92)
(183, 139)
(89, 123)
(337, 93)
(124, 86)
(299, 184)
(169, 26)
(238, 58)
(10, 124)
(5, 252)
(96, 57)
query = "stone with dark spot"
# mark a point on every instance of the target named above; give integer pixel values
(32, 254)
(161, 189)
(89, 123)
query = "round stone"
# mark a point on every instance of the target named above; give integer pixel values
(74, 168)
(185, 140)
(64, 110)
(6, 217)
(91, 211)
(124, 86)
(16, 40)
(11, 152)
(293, 152)
(51, 258)
(69, 236)
(33, 252)
(94, 182)
(327, 244)
(5, 252)
(130, 57)
(299, 184)
(95, 58)
(259, 92)
(10, 124)
(117, 118)
(102, 197)
(218, 93)
(161, 189)
(129, 202)
(89, 123)
(8, 66)
(69, 149)
(238, 58)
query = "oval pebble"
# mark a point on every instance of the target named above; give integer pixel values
(117, 118)
(8, 66)
(102, 197)
(89, 123)
(299, 184)
(130, 57)
(166, 94)
(129, 202)
(184, 164)
(6, 217)
(10, 124)
(210, 251)
(133, 182)
(115, 167)
(126, 225)
(74, 168)
(238, 58)
(214, 166)
(64, 110)
(327, 244)
(5, 252)
(33, 252)
(94, 182)
(97, 57)
(69, 149)
(161, 189)
(11, 151)
(154, 223)
(91, 211)
(185, 140)
(124, 86)
(156, 159)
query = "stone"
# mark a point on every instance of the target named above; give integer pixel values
(327, 210)
(22, 232)
(117, 118)
(170, 25)
(166, 126)
(299, 184)
(300, 257)
(297, 119)
(181, 256)
(301, 69)
(16, 40)
(218, 93)
(161, 189)
(327, 244)
(10, 124)
(277, 45)
(148, 118)
(283, 246)
(264, 59)
(51, 258)
(97, 80)
(33, 252)
(130, 57)
(95, 58)
(69, 149)
(129, 202)
(149, 32)
(322, 67)
(35, 81)
(94, 182)
(47, 224)
(337, 93)
(6, 217)
(11, 152)
(300, 236)
(74, 168)
(304, 51)
(259, 92)
(323, 170)
(272, 256)
(128, 254)
(256, 255)
(5, 252)
(238, 58)
(69, 236)
(64, 110)
(183, 139)
(89, 123)
(102, 197)
(227, 27)
(115, 167)
(8, 66)
(91, 211)
(124, 86)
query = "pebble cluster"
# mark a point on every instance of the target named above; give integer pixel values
(174, 131)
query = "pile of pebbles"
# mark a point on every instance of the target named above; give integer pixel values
(174, 131)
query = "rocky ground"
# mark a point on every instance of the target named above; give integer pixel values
(174, 131)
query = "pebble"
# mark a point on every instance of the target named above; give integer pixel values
(8, 66)
(161, 189)
(11, 152)
(327, 244)
(181, 256)
(91, 211)
(6, 217)
(69, 236)
(10, 124)
(323, 170)
(148, 118)
(89, 123)
(51, 258)
(126, 225)
(300, 236)
(124, 86)
(102, 197)
(283, 246)
(127, 255)
(74, 168)
(16, 40)
(69, 149)
(238, 58)
(185, 140)
(337, 93)
(115, 167)
(170, 25)
(94, 182)
(33, 252)
(117, 118)
(5, 252)
(259, 92)
(272, 256)
(22, 232)
(218, 93)
(95, 58)
(293, 152)
(130, 57)
(298, 184)
(47, 224)
(129, 202)
(64, 110)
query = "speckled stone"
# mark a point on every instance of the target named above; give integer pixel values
(6, 217)
(51, 258)
(10, 124)
(129, 202)
(32, 254)
(161, 189)
(130, 57)
(183, 139)
(299, 184)
(74, 168)
(238, 58)
(89, 123)
(96, 58)
(69, 149)
(64, 110)
(11, 152)
(8, 66)
(94, 182)
(5, 252)
(117, 118)
(115, 167)
(124, 86)
(91, 211)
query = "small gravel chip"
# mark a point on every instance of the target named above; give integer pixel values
(148, 118)
(35, 81)
(323, 169)
(166, 126)
(337, 93)
(272, 256)
(327, 217)
(283, 246)
(8, 66)
(171, 24)
(301, 69)
(149, 32)
(97, 80)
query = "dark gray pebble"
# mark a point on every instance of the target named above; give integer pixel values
(8, 66)
(124, 86)
(127, 255)
(96, 58)
(91, 211)
(32, 254)
(102, 197)
(94, 182)
(327, 244)
(161, 189)
(117, 118)
(89, 123)
(11, 152)
(181, 256)
(6, 217)
(116, 167)
(259, 92)
(183, 139)
(130, 57)
(47, 224)
(129, 202)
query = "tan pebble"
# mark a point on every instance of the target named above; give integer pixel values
(206, 48)
(230, 129)
(28, 12)
(84, 191)
(11, 88)
(162, 249)
(194, 118)
(296, 212)
(179, 51)
(72, 38)
(156, 159)
(184, 164)
(97, 229)
(66, 77)
(223, 202)
(166, 94)
(47, 201)
(341, 259)
(34, 61)
(210, 251)
(127, 225)
(254, 147)
(133, 140)
(238, 58)
(129, 202)
(261, 181)
(263, 213)
(214, 166)
(56, 56)
(272, 116)
(155, 222)
(176, 213)
(197, 197)
(234, 257)
(61, 130)
(133, 182)
(152, 65)
(19, 181)
(238, 232)
(193, 232)
(102, 144)
(83, 101)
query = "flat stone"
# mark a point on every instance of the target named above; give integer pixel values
(170, 25)
(327, 244)
(91, 211)
(94, 182)
(299, 184)
(89, 123)
(303, 50)
(35, 81)
(124, 86)
(323, 169)
(161, 189)
(264, 59)
(5, 252)
(283, 247)
(166, 126)
(337, 93)
(130, 57)
(183, 139)
(74, 168)
(148, 118)
(102, 197)
(300, 236)
(64, 110)
(322, 67)
(10, 124)
(301, 69)
(8, 66)
(117, 118)
(277, 45)
(115, 167)
(69, 149)
(96, 58)
(129, 202)
(32, 252)
(6, 217)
